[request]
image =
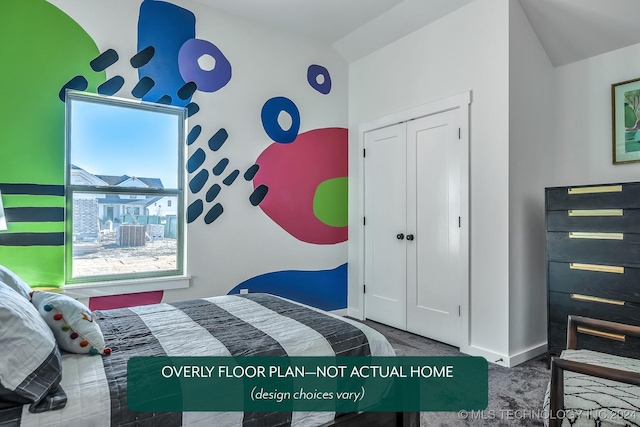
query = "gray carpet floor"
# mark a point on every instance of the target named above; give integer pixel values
(515, 394)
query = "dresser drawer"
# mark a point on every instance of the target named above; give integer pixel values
(561, 305)
(571, 247)
(605, 281)
(606, 196)
(630, 347)
(596, 220)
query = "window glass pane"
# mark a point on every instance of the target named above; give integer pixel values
(112, 144)
(117, 234)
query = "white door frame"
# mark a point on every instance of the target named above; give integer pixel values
(461, 102)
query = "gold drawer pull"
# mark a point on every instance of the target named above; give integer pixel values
(596, 212)
(594, 267)
(602, 236)
(599, 189)
(596, 333)
(589, 298)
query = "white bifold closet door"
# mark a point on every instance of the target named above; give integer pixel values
(412, 231)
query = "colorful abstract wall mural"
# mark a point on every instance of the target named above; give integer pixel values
(296, 174)
(179, 68)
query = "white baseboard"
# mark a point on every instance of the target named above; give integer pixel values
(504, 360)
(492, 357)
(529, 354)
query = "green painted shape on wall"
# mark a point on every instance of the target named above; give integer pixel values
(330, 202)
(36, 265)
(42, 49)
(20, 201)
(35, 227)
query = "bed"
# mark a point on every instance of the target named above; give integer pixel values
(232, 325)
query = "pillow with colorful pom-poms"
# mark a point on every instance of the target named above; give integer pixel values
(72, 323)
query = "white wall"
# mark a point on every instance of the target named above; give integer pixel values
(531, 144)
(466, 50)
(582, 147)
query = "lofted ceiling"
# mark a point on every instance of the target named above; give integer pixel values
(569, 30)
(572, 30)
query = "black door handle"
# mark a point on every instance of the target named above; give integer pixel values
(400, 236)
(409, 236)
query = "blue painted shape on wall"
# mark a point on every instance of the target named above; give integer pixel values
(258, 194)
(186, 91)
(166, 99)
(231, 178)
(143, 57)
(270, 112)
(111, 86)
(324, 289)
(213, 213)
(213, 192)
(218, 139)
(207, 80)
(195, 210)
(194, 134)
(219, 168)
(312, 77)
(198, 181)
(192, 108)
(196, 160)
(104, 60)
(166, 27)
(76, 83)
(143, 87)
(251, 172)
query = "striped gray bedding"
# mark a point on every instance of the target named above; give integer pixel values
(232, 325)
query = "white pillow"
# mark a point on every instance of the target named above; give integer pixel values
(72, 323)
(30, 364)
(13, 281)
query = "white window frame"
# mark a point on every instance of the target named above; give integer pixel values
(131, 282)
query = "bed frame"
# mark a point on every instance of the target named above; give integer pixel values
(377, 419)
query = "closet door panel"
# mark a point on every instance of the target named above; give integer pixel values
(385, 210)
(433, 282)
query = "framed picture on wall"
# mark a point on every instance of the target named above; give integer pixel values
(625, 107)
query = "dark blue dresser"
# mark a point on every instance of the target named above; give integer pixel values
(593, 263)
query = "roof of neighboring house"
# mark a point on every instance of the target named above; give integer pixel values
(117, 180)
(153, 199)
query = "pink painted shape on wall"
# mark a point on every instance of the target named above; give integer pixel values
(126, 300)
(293, 172)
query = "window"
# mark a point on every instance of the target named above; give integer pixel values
(122, 158)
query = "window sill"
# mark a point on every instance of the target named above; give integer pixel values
(100, 289)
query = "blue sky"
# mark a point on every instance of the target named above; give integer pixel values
(109, 139)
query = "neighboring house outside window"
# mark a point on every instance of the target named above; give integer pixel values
(123, 225)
